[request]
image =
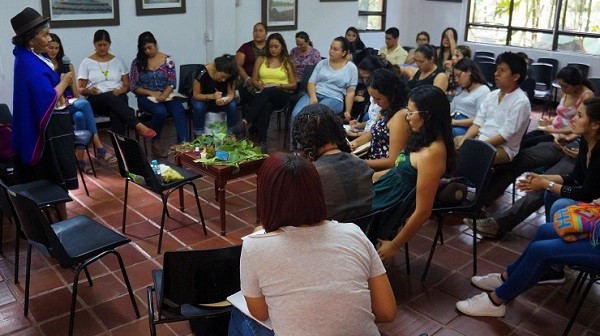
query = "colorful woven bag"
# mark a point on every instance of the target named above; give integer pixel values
(579, 221)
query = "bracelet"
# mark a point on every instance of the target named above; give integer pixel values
(393, 242)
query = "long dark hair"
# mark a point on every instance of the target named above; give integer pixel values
(574, 76)
(394, 88)
(315, 126)
(442, 48)
(61, 51)
(434, 108)
(284, 55)
(142, 58)
(467, 64)
(226, 64)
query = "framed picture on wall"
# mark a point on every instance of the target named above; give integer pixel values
(81, 13)
(157, 7)
(280, 14)
(336, 0)
(442, 0)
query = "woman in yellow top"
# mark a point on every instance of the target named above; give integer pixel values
(274, 77)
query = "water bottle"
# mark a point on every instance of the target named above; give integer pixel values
(155, 168)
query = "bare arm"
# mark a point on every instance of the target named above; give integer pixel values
(462, 122)
(496, 140)
(348, 102)
(74, 82)
(258, 307)
(383, 302)
(255, 77)
(197, 95)
(292, 81)
(240, 58)
(311, 89)
(471, 134)
(441, 81)
(125, 88)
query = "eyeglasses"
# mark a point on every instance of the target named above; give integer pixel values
(411, 113)
(457, 74)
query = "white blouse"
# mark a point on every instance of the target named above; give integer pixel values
(106, 76)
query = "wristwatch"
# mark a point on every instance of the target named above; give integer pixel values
(550, 186)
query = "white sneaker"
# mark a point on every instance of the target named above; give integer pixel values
(487, 282)
(487, 227)
(480, 305)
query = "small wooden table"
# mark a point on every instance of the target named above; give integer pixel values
(221, 175)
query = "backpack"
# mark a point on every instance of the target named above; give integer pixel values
(6, 151)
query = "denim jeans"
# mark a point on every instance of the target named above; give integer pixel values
(337, 106)
(553, 203)
(199, 109)
(544, 250)
(83, 116)
(242, 325)
(159, 113)
(459, 130)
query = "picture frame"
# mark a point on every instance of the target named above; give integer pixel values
(280, 14)
(338, 0)
(83, 13)
(157, 7)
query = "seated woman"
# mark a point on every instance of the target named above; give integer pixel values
(213, 91)
(366, 67)
(332, 82)
(428, 155)
(354, 41)
(545, 250)
(447, 46)
(304, 54)
(153, 75)
(390, 132)
(575, 88)
(245, 58)
(80, 109)
(421, 39)
(460, 52)
(274, 77)
(427, 71)
(466, 103)
(319, 134)
(304, 263)
(103, 79)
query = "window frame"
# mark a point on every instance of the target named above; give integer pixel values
(382, 14)
(510, 28)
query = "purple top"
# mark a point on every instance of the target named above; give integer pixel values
(312, 57)
(153, 80)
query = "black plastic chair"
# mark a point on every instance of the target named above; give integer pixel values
(474, 163)
(488, 69)
(193, 284)
(365, 222)
(596, 84)
(185, 86)
(584, 273)
(481, 59)
(584, 68)
(542, 74)
(75, 243)
(132, 161)
(391, 219)
(553, 62)
(484, 53)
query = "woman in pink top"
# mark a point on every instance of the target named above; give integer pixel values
(575, 88)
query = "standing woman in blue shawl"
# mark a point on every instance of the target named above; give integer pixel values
(42, 135)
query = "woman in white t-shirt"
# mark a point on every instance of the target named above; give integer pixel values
(103, 79)
(305, 267)
(465, 105)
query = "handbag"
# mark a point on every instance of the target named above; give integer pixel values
(452, 191)
(578, 221)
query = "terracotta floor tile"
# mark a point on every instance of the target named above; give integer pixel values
(130, 253)
(139, 274)
(41, 281)
(545, 322)
(500, 255)
(85, 324)
(477, 326)
(27, 332)
(458, 285)
(12, 319)
(435, 304)
(51, 304)
(105, 288)
(118, 311)
(116, 220)
(409, 322)
(140, 327)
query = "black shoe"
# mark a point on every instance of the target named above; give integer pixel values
(239, 130)
(553, 277)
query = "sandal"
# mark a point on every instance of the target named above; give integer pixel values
(84, 167)
(104, 155)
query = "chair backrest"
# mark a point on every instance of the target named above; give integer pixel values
(596, 84)
(488, 69)
(201, 276)
(393, 217)
(186, 78)
(474, 162)
(584, 68)
(552, 61)
(5, 204)
(481, 59)
(131, 159)
(365, 222)
(36, 227)
(5, 115)
(541, 73)
(308, 70)
(407, 48)
(484, 53)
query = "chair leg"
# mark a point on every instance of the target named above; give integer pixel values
(74, 298)
(438, 235)
(125, 205)
(151, 324)
(162, 224)
(474, 245)
(199, 208)
(127, 283)
(407, 258)
(87, 275)
(576, 284)
(591, 282)
(17, 247)
(87, 192)
(27, 279)
(87, 150)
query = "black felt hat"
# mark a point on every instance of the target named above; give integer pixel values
(27, 19)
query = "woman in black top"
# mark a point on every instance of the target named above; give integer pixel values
(427, 71)
(213, 91)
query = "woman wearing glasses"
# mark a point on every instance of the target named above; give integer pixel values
(465, 104)
(428, 155)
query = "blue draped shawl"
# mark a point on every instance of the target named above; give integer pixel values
(34, 98)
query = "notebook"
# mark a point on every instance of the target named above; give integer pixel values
(239, 302)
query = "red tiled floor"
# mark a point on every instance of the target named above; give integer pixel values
(423, 307)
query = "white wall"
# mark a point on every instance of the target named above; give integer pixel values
(229, 24)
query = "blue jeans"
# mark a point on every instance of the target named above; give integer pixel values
(242, 325)
(337, 106)
(459, 130)
(553, 203)
(544, 250)
(83, 116)
(199, 109)
(159, 113)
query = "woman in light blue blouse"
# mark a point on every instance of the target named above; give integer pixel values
(153, 79)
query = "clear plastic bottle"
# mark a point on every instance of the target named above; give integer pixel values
(155, 168)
